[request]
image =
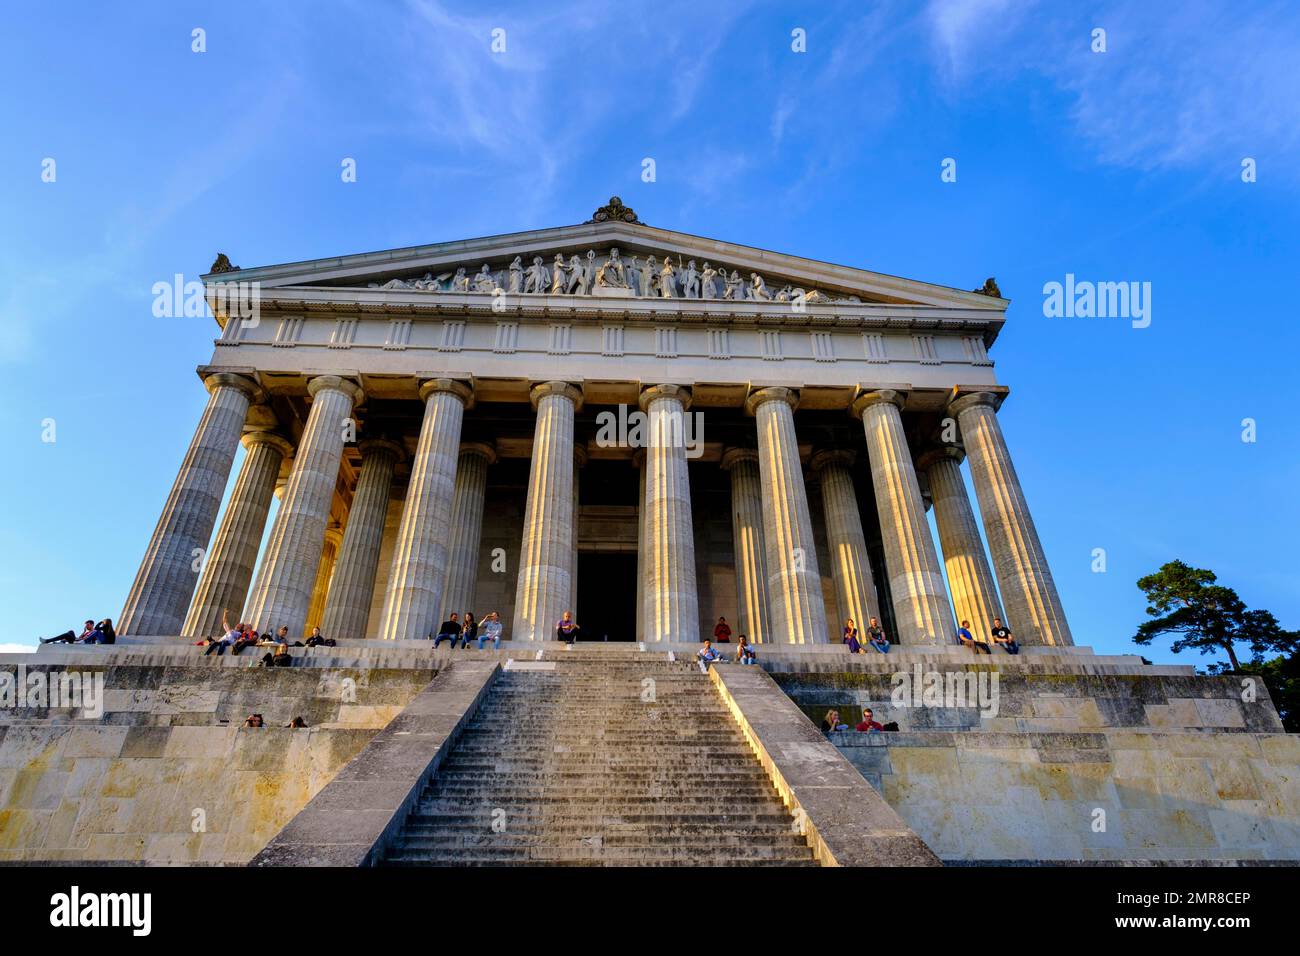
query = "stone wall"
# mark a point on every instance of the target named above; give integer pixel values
(1111, 795)
(168, 774)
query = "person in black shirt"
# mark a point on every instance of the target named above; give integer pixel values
(450, 631)
(1003, 636)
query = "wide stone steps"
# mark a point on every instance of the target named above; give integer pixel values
(570, 765)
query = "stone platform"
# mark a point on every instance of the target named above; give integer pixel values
(1078, 757)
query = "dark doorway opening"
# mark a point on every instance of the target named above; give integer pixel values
(607, 595)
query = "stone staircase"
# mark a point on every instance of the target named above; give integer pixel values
(595, 756)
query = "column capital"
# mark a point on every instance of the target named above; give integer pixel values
(734, 456)
(570, 391)
(832, 456)
(336, 382)
(480, 448)
(775, 393)
(334, 535)
(879, 396)
(278, 442)
(652, 392)
(369, 446)
(256, 394)
(968, 396)
(462, 391)
(940, 453)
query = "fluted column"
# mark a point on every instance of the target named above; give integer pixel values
(922, 613)
(794, 585)
(579, 463)
(749, 554)
(467, 526)
(329, 553)
(542, 592)
(638, 460)
(1034, 611)
(672, 605)
(352, 588)
(282, 593)
(415, 584)
(223, 585)
(970, 579)
(855, 588)
(164, 584)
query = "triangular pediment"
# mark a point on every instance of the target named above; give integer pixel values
(581, 260)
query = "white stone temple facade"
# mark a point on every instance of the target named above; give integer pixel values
(647, 428)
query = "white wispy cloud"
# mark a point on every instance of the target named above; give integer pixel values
(1200, 84)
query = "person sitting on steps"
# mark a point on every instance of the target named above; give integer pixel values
(851, 637)
(707, 655)
(832, 722)
(965, 637)
(745, 653)
(566, 629)
(490, 631)
(1002, 635)
(280, 658)
(876, 637)
(467, 633)
(227, 639)
(450, 631)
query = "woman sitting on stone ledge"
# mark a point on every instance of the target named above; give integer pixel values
(279, 658)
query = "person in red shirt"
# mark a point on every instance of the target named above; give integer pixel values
(869, 723)
(722, 632)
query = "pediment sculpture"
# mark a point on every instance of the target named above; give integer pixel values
(613, 274)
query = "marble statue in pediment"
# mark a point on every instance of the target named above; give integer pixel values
(649, 274)
(515, 283)
(707, 288)
(537, 280)
(691, 281)
(782, 294)
(483, 282)
(589, 273)
(577, 277)
(758, 288)
(613, 274)
(559, 275)
(735, 289)
(667, 280)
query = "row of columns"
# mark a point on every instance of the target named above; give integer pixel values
(307, 573)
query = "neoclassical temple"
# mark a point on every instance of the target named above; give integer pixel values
(648, 428)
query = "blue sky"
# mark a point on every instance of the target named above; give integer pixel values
(1115, 166)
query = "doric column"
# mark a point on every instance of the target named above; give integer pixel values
(921, 610)
(329, 553)
(579, 463)
(165, 582)
(855, 589)
(466, 526)
(749, 554)
(970, 580)
(1034, 611)
(223, 585)
(282, 593)
(672, 605)
(352, 588)
(387, 548)
(794, 585)
(542, 592)
(415, 584)
(638, 460)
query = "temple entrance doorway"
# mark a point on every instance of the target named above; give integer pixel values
(607, 595)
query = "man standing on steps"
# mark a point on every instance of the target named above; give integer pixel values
(566, 629)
